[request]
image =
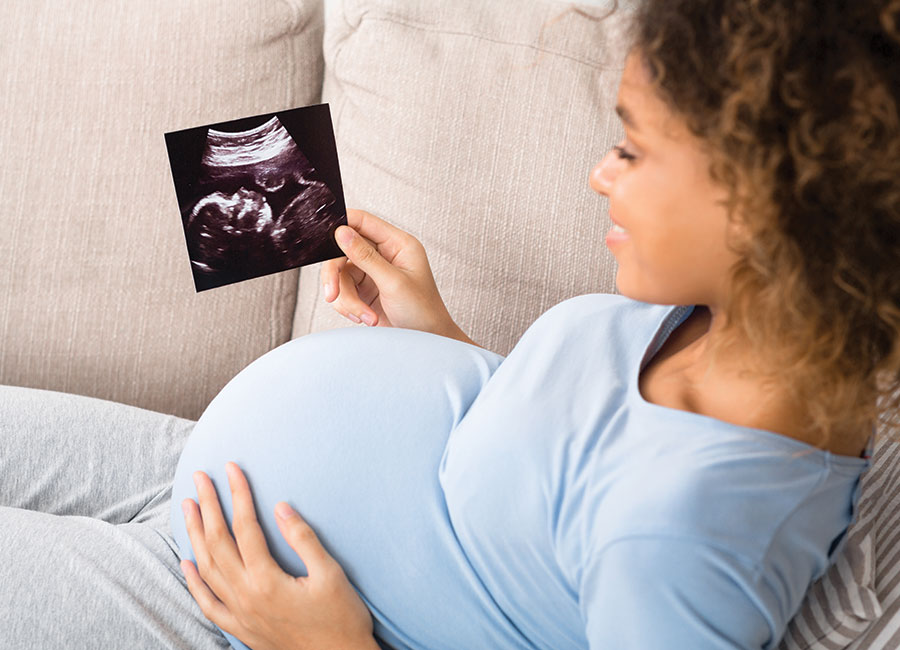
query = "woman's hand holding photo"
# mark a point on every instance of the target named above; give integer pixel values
(385, 279)
(241, 588)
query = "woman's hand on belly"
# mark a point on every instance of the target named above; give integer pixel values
(385, 279)
(241, 588)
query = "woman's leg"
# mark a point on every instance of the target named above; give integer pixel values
(78, 582)
(86, 559)
(73, 455)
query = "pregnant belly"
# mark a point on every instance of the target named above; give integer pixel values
(349, 426)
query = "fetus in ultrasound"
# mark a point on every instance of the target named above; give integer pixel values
(257, 207)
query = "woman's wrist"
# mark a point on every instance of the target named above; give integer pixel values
(453, 331)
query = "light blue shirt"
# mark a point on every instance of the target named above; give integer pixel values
(593, 514)
(533, 501)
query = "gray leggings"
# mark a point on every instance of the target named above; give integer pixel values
(87, 559)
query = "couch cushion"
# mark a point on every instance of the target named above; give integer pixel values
(474, 125)
(96, 294)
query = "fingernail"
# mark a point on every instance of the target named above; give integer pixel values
(283, 510)
(327, 288)
(353, 318)
(367, 319)
(185, 507)
(344, 234)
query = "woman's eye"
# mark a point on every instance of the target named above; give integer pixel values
(621, 153)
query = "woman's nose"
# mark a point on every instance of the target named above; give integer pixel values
(604, 174)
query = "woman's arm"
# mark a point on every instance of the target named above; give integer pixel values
(652, 591)
(385, 279)
(241, 588)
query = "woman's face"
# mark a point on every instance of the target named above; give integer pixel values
(669, 233)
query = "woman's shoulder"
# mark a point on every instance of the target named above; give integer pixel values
(600, 337)
(595, 301)
(599, 322)
(605, 308)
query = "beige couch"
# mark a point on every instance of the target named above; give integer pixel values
(471, 124)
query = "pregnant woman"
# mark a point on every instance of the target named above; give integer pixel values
(667, 468)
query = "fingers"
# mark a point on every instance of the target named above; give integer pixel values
(248, 534)
(303, 539)
(341, 278)
(363, 254)
(379, 257)
(367, 291)
(213, 545)
(351, 306)
(213, 608)
(387, 238)
(331, 272)
(374, 245)
(211, 580)
(328, 274)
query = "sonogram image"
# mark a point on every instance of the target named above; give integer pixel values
(252, 202)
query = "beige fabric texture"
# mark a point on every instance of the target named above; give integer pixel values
(474, 125)
(96, 293)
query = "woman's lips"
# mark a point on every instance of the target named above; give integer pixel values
(616, 235)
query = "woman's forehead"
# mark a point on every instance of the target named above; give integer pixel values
(633, 92)
(639, 106)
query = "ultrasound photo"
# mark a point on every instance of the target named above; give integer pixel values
(258, 195)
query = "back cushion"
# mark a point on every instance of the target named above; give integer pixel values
(474, 125)
(879, 516)
(96, 293)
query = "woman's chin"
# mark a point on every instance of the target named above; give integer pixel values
(626, 286)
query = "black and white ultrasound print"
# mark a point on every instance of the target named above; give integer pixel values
(252, 203)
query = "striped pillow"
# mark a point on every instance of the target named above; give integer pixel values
(841, 605)
(841, 610)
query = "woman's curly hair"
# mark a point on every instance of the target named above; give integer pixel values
(797, 101)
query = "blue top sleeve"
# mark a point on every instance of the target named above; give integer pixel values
(654, 592)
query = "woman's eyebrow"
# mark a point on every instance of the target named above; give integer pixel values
(626, 117)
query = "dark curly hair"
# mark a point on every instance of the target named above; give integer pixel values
(797, 103)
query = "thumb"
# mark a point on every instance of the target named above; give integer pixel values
(362, 253)
(301, 537)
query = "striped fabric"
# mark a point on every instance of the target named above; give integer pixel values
(840, 607)
(880, 513)
(856, 604)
